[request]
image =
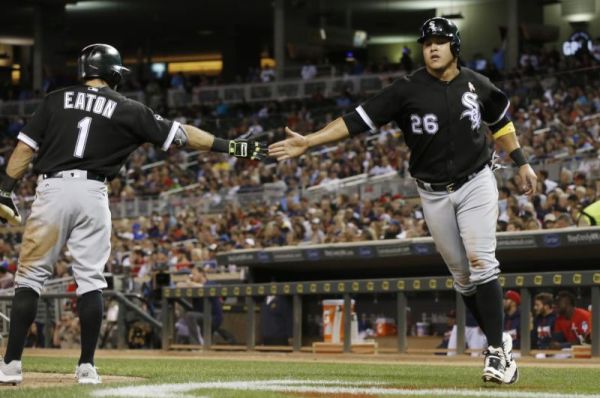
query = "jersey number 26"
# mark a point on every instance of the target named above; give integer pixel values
(428, 123)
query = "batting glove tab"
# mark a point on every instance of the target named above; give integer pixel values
(249, 149)
(8, 211)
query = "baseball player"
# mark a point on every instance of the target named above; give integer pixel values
(444, 111)
(82, 136)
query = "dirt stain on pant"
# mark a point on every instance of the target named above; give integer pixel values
(476, 262)
(38, 241)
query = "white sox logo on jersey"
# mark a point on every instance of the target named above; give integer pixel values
(470, 101)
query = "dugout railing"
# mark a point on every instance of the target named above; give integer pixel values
(125, 305)
(398, 286)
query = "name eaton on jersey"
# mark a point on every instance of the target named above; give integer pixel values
(90, 103)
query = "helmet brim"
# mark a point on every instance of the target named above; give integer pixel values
(121, 69)
(423, 38)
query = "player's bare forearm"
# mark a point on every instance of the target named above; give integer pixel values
(19, 161)
(198, 139)
(334, 131)
(508, 142)
(296, 144)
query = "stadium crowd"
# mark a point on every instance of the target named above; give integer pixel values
(555, 104)
(555, 113)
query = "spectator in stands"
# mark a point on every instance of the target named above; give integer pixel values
(543, 321)
(178, 81)
(267, 74)
(67, 331)
(7, 279)
(385, 168)
(33, 337)
(406, 60)
(548, 184)
(308, 71)
(512, 316)
(316, 235)
(573, 325)
(195, 318)
(549, 221)
(564, 220)
(498, 57)
(276, 320)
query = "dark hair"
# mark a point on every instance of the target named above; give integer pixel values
(565, 294)
(546, 298)
(200, 268)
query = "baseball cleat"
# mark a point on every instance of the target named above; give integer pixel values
(494, 368)
(86, 373)
(511, 373)
(11, 373)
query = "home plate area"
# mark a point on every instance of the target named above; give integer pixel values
(315, 387)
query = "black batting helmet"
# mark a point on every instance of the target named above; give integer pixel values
(101, 61)
(441, 27)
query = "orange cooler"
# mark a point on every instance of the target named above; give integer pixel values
(333, 320)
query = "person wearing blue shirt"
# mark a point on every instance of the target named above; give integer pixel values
(543, 323)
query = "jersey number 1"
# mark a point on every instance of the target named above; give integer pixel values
(84, 129)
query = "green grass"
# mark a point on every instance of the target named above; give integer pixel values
(156, 371)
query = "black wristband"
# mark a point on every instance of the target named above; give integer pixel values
(7, 183)
(220, 145)
(518, 157)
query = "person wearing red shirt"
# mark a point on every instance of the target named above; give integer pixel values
(573, 325)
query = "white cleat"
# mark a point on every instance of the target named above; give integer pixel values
(86, 373)
(11, 373)
(511, 373)
(493, 368)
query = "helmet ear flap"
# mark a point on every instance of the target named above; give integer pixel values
(114, 79)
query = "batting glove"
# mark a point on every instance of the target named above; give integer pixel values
(248, 149)
(8, 211)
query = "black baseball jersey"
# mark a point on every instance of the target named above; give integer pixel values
(93, 129)
(443, 122)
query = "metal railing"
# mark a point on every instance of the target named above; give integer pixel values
(368, 187)
(397, 286)
(125, 305)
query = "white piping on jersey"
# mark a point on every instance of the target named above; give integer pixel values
(28, 140)
(366, 118)
(174, 127)
(501, 116)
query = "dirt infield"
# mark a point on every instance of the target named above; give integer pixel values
(409, 359)
(43, 380)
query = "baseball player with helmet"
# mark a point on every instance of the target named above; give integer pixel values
(445, 111)
(82, 136)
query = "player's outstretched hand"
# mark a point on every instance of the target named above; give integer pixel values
(528, 179)
(294, 145)
(245, 146)
(8, 211)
